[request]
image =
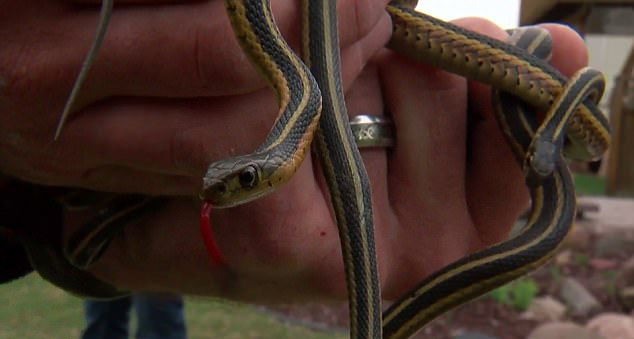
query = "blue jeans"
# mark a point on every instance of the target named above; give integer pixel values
(159, 317)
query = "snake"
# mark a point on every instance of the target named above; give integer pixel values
(312, 106)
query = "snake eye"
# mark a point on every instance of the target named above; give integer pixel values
(248, 177)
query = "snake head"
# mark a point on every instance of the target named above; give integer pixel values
(234, 181)
(542, 157)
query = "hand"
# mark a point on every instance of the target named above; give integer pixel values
(170, 90)
(446, 189)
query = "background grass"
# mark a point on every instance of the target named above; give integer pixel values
(31, 308)
(587, 184)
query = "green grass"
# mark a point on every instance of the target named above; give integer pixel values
(589, 184)
(31, 308)
(518, 294)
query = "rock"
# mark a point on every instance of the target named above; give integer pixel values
(602, 264)
(579, 238)
(578, 298)
(629, 262)
(585, 207)
(474, 335)
(545, 309)
(613, 244)
(624, 285)
(563, 330)
(625, 297)
(563, 258)
(612, 326)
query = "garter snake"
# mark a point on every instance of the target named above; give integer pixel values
(234, 181)
(500, 65)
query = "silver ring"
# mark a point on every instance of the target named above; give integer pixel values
(372, 131)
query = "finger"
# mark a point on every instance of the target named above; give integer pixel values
(132, 2)
(425, 170)
(121, 179)
(172, 136)
(167, 50)
(190, 50)
(429, 125)
(569, 52)
(112, 178)
(350, 34)
(495, 190)
(355, 57)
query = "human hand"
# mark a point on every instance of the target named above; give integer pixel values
(169, 92)
(446, 189)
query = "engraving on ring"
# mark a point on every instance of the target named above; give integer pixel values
(367, 132)
(372, 131)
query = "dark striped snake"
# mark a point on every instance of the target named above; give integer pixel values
(312, 104)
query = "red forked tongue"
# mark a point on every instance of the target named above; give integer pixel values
(208, 238)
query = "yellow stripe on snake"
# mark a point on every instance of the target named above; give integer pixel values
(312, 104)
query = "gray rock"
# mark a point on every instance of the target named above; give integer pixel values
(578, 298)
(614, 243)
(545, 309)
(579, 238)
(624, 284)
(602, 264)
(612, 326)
(474, 335)
(563, 258)
(625, 296)
(563, 330)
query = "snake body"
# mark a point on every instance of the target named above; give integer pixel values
(344, 170)
(572, 124)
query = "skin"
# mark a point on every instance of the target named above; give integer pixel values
(446, 189)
